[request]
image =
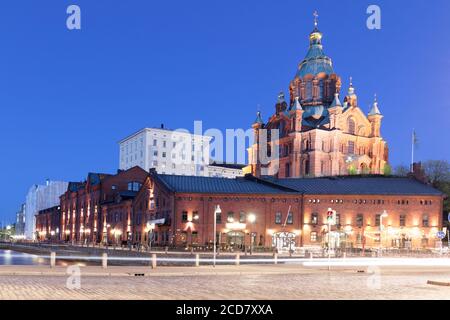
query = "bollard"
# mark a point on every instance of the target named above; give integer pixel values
(345, 255)
(52, 259)
(311, 256)
(104, 260)
(275, 258)
(166, 249)
(238, 257)
(154, 261)
(197, 260)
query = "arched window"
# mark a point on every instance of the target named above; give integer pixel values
(321, 89)
(309, 90)
(351, 126)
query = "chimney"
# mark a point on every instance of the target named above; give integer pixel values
(47, 182)
(162, 125)
(418, 173)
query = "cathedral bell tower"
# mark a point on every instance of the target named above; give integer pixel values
(255, 161)
(375, 117)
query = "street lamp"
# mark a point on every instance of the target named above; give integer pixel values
(384, 214)
(216, 212)
(251, 218)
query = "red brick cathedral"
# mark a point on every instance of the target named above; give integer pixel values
(318, 135)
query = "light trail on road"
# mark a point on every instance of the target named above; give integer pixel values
(307, 262)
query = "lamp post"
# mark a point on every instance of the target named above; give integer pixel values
(216, 211)
(384, 214)
(251, 218)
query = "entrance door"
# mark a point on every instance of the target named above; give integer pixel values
(283, 241)
(235, 239)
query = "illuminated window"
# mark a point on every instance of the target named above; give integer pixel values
(314, 219)
(278, 218)
(359, 220)
(402, 220)
(425, 221)
(290, 218)
(230, 216)
(313, 236)
(377, 220)
(242, 217)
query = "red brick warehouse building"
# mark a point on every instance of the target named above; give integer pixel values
(100, 208)
(48, 224)
(179, 211)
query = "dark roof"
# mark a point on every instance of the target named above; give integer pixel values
(50, 210)
(379, 185)
(193, 184)
(96, 178)
(348, 185)
(228, 165)
(75, 186)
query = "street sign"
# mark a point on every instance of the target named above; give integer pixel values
(440, 234)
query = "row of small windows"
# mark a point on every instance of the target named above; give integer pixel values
(360, 220)
(241, 217)
(288, 220)
(174, 156)
(174, 166)
(174, 144)
(231, 217)
(372, 201)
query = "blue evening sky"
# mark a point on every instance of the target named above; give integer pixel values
(67, 97)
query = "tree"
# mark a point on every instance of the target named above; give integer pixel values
(352, 170)
(387, 170)
(437, 171)
(401, 170)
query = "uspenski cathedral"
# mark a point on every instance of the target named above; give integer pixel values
(320, 132)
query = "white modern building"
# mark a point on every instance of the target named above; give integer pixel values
(172, 152)
(167, 151)
(224, 170)
(41, 197)
(20, 221)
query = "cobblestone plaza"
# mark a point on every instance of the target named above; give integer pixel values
(303, 284)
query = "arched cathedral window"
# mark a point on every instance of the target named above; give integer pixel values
(309, 88)
(321, 91)
(351, 126)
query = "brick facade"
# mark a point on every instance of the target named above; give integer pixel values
(85, 206)
(48, 224)
(183, 215)
(412, 220)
